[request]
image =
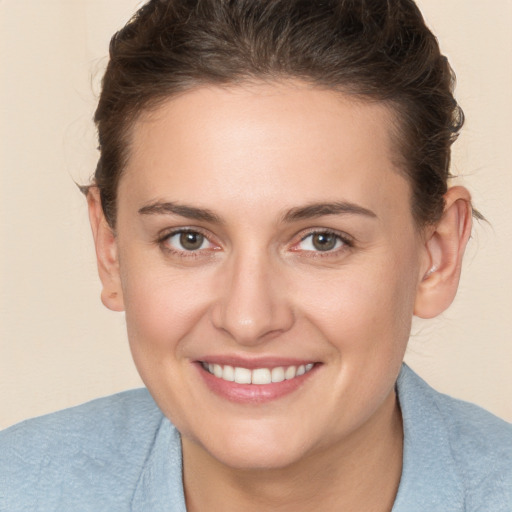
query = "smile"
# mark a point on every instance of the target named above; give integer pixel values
(257, 376)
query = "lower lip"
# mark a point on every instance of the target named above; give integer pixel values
(253, 393)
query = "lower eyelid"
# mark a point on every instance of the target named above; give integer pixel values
(163, 241)
(342, 242)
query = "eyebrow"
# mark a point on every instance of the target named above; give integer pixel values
(320, 209)
(190, 212)
(309, 211)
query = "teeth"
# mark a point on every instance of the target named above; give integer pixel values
(217, 370)
(258, 376)
(228, 373)
(290, 372)
(261, 376)
(242, 375)
(278, 374)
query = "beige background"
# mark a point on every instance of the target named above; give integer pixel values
(59, 346)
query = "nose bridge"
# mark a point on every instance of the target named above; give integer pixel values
(251, 302)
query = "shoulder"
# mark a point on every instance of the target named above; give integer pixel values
(101, 423)
(481, 446)
(100, 445)
(477, 444)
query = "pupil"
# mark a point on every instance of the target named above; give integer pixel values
(191, 241)
(324, 241)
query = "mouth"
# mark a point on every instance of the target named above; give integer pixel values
(257, 376)
(262, 382)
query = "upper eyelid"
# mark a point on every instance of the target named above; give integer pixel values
(348, 244)
(167, 248)
(314, 231)
(168, 232)
(165, 234)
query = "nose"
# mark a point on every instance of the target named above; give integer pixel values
(252, 306)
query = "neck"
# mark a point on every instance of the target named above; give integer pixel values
(360, 473)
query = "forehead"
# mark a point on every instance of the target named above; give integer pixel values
(249, 142)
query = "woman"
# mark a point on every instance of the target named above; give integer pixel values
(270, 209)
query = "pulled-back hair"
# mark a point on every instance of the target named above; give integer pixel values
(379, 50)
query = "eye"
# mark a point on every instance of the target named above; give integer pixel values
(186, 241)
(321, 241)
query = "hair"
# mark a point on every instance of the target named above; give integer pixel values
(376, 50)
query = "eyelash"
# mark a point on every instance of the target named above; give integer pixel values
(163, 240)
(346, 241)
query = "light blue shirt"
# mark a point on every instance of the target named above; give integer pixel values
(121, 454)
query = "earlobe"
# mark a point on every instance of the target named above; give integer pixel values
(444, 248)
(106, 253)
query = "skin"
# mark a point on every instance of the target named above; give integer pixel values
(252, 157)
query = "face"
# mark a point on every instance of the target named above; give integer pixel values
(269, 264)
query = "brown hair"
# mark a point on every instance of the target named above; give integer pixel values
(375, 49)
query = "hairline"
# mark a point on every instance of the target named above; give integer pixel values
(153, 103)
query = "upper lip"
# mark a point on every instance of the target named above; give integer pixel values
(255, 362)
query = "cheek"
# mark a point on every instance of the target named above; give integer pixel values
(162, 311)
(161, 308)
(362, 308)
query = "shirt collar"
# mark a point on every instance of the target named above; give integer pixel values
(160, 487)
(430, 479)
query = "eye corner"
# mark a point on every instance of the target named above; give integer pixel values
(330, 242)
(174, 242)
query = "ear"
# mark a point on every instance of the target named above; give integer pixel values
(106, 253)
(444, 245)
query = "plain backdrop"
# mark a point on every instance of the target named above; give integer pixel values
(59, 346)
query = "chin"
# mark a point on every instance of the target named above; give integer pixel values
(247, 458)
(256, 448)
